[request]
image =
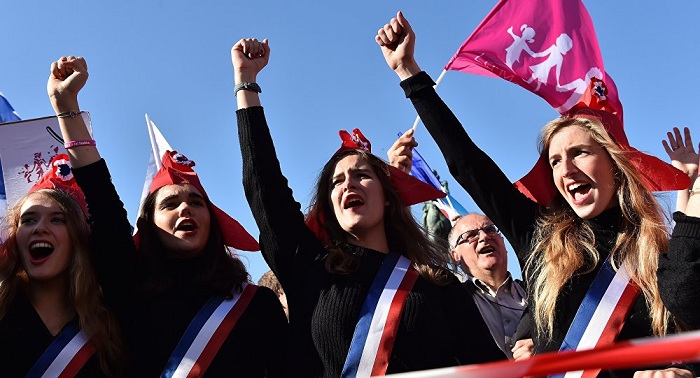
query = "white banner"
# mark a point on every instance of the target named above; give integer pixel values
(26, 148)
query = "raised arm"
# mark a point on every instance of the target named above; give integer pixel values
(679, 269)
(249, 56)
(284, 237)
(488, 186)
(111, 240)
(68, 76)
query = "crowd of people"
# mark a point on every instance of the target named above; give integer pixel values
(356, 287)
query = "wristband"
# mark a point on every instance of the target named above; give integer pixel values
(69, 114)
(79, 143)
(254, 87)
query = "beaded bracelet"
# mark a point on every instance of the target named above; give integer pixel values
(79, 143)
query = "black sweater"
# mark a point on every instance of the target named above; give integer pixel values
(154, 324)
(679, 271)
(24, 338)
(515, 214)
(440, 325)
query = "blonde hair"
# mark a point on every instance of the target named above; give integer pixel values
(84, 290)
(563, 246)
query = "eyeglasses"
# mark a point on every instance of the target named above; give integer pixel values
(472, 236)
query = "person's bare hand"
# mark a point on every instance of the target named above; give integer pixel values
(523, 349)
(681, 151)
(249, 56)
(68, 76)
(397, 41)
(666, 373)
(401, 152)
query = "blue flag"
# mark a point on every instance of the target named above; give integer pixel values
(7, 114)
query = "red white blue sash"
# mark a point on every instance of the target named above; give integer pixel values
(66, 355)
(205, 334)
(375, 332)
(602, 313)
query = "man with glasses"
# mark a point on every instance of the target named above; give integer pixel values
(478, 249)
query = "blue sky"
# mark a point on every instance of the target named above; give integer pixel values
(171, 59)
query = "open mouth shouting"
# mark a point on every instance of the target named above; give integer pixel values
(40, 251)
(352, 201)
(486, 250)
(579, 192)
(186, 225)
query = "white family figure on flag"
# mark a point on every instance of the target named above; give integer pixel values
(520, 44)
(541, 71)
(555, 58)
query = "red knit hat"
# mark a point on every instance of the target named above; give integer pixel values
(177, 169)
(410, 190)
(656, 174)
(60, 177)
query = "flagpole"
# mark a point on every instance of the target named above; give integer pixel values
(450, 203)
(439, 79)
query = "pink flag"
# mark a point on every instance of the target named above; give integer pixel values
(548, 47)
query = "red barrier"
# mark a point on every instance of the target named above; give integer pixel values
(639, 353)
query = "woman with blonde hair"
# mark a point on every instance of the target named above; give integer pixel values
(597, 225)
(50, 299)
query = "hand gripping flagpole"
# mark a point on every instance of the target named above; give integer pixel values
(439, 79)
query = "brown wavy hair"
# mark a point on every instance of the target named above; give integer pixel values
(403, 233)
(563, 246)
(220, 271)
(84, 290)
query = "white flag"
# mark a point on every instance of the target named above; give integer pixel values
(158, 147)
(26, 149)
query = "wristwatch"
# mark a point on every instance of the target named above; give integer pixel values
(246, 86)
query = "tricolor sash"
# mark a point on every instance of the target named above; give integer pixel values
(375, 332)
(206, 333)
(602, 313)
(66, 355)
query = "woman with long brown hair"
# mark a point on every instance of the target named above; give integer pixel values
(336, 265)
(186, 303)
(50, 298)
